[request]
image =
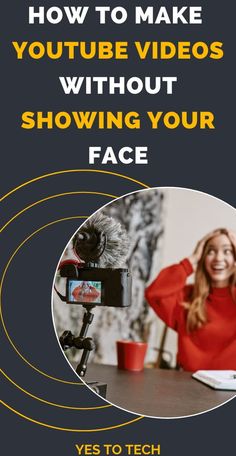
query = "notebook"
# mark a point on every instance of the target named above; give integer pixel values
(217, 379)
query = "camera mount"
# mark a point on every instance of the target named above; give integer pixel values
(81, 342)
(101, 244)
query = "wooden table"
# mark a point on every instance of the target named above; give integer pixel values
(156, 392)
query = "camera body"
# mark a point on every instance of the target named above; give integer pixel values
(97, 286)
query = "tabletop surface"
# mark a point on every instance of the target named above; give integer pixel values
(157, 392)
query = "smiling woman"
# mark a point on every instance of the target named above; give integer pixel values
(220, 260)
(203, 314)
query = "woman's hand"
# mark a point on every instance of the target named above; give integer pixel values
(196, 255)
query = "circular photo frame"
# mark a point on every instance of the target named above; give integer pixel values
(144, 302)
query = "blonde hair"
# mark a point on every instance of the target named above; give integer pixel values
(196, 308)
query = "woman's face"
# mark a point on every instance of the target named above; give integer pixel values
(220, 260)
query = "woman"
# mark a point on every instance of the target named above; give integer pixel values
(86, 293)
(203, 314)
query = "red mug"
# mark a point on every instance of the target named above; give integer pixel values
(130, 355)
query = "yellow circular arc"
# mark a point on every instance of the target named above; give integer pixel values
(18, 248)
(65, 171)
(36, 231)
(57, 428)
(58, 195)
(1, 315)
(48, 402)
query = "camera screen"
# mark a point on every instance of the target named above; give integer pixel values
(84, 292)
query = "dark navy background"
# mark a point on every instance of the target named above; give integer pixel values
(199, 159)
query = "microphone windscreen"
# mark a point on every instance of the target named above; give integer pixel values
(112, 243)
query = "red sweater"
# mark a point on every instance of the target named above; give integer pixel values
(213, 346)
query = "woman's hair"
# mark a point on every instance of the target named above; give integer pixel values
(196, 308)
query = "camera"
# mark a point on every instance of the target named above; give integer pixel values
(97, 286)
